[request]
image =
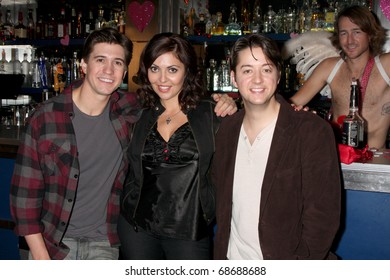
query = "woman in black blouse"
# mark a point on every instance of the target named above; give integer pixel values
(168, 202)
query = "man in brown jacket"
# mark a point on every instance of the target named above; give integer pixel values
(276, 171)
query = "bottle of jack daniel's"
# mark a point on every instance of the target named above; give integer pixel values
(354, 126)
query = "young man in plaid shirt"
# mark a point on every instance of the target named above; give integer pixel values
(71, 166)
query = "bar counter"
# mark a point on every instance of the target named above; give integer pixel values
(9, 140)
(365, 221)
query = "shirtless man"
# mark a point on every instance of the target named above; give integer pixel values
(360, 37)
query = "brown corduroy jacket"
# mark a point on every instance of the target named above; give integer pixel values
(301, 191)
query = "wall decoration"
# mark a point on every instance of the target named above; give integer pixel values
(65, 41)
(141, 14)
(385, 7)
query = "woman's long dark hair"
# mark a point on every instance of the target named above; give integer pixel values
(160, 44)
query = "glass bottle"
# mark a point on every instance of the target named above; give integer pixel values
(89, 24)
(34, 69)
(80, 26)
(245, 17)
(62, 25)
(317, 16)
(73, 24)
(210, 75)
(256, 24)
(5, 65)
(269, 20)
(225, 77)
(42, 70)
(30, 25)
(20, 28)
(122, 20)
(26, 71)
(8, 26)
(75, 67)
(330, 17)
(233, 28)
(220, 26)
(217, 77)
(354, 132)
(200, 26)
(100, 21)
(289, 24)
(50, 27)
(112, 20)
(15, 62)
(40, 28)
(307, 15)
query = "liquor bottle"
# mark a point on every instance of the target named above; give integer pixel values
(5, 66)
(354, 133)
(59, 78)
(30, 25)
(233, 28)
(42, 70)
(220, 26)
(269, 20)
(210, 75)
(80, 25)
(20, 28)
(62, 25)
(191, 20)
(200, 26)
(330, 14)
(257, 18)
(122, 20)
(217, 77)
(26, 71)
(290, 21)
(225, 77)
(73, 24)
(317, 17)
(40, 28)
(50, 27)
(245, 17)
(307, 15)
(75, 67)
(8, 26)
(15, 62)
(34, 69)
(89, 24)
(100, 21)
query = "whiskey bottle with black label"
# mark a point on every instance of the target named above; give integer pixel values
(354, 126)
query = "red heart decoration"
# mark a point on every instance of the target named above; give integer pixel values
(65, 41)
(141, 14)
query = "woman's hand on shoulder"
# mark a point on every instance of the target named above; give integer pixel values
(225, 105)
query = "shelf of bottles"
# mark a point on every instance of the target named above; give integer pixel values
(202, 28)
(46, 47)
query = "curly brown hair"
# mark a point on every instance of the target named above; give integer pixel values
(193, 88)
(368, 23)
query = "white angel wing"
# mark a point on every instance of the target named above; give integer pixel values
(308, 50)
(386, 47)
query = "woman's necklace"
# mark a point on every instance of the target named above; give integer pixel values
(169, 118)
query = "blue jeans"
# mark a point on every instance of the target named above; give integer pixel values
(83, 249)
(142, 245)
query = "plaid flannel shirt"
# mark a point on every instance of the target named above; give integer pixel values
(46, 172)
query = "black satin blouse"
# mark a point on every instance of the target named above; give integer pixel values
(169, 203)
